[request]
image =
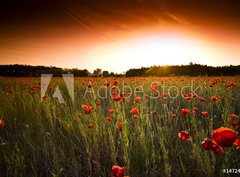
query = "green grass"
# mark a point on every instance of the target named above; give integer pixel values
(46, 138)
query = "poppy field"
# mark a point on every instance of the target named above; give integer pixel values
(115, 127)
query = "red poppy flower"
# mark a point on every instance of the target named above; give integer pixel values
(230, 84)
(114, 87)
(224, 136)
(153, 113)
(207, 144)
(116, 97)
(233, 123)
(135, 111)
(234, 116)
(218, 150)
(115, 82)
(146, 96)
(185, 111)
(137, 99)
(138, 89)
(101, 87)
(120, 126)
(87, 108)
(90, 85)
(237, 143)
(106, 83)
(97, 103)
(195, 109)
(164, 95)
(174, 115)
(111, 111)
(44, 97)
(1, 123)
(214, 99)
(204, 114)
(184, 135)
(194, 96)
(155, 87)
(117, 171)
(10, 91)
(202, 99)
(108, 119)
(90, 125)
(38, 87)
(188, 98)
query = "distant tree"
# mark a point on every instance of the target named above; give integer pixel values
(97, 72)
(118, 75)
(111, 74)
(137, 72)
(105, 74)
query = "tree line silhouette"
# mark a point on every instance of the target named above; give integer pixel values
(36, 71)
(185, 70)
(177, 70)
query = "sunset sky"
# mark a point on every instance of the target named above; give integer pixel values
(116, 35)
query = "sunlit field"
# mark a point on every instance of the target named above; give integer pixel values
(115, 127)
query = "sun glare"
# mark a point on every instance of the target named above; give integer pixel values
(147, 51)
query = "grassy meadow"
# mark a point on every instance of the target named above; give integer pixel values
(137, 128)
